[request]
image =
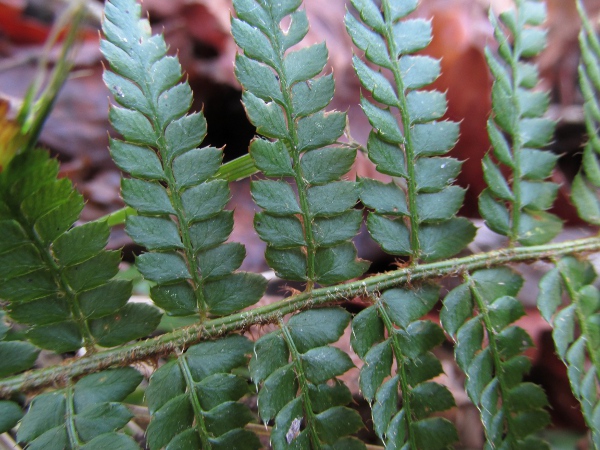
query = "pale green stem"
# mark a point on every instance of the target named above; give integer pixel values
(182, 338)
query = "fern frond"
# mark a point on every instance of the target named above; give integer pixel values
(576, 331)
(416, 216)
(86, 415)
(286, 103)
(181, 218)
(390, 331)
(480, 311)
(296, 370)
(193, 399)
(57, 279)
(585, 186)
(517, 208)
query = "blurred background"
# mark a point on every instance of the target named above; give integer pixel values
(198, 31)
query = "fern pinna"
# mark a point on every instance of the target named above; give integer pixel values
(518, 209)
(181, 218)
(59, 293)
(308, 235)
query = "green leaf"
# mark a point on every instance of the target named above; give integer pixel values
(434, 174)
(178, 299)
(375, 83)
(330, 231)
(308, 332)
(434, 138)
(136, 160)
(312, 96)
(132, 125)
(183, 135)
(270, 353)
(337, 422)
(495, 180)
(435, 433)
(425, 106)
(17, 356)
(369, 42)
(154, 233)
(367, 329)
(388, 158)
(289, 264)
(258, 79)
(146, 197)
(276, 197)
(378, 363)
(234, 292)
(444, 240)
(271, 158)
(267, 117)
(418, 71)
(304, 64)
(253, 42)
(205, 200)
(411, 36)
(326, 165)
(133, 321)
(278, 390)
(338, 363)
(320, 129)
(392, 235)
(384, 198)
(211, 232)
(333, 198)
(59, 337)
(405, 306)
(221, 260)
(280, 232)
(162, 267)
(10, 414)
(440, 205)
(338, 263)
(383, 121)
(196, 166)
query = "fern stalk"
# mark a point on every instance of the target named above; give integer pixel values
(182, 338)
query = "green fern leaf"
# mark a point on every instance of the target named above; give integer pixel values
(83, 416)
(575, 330)
(415, 217)
(483, 310)
(584, 189)
(517, 209)
(173, 188)
(56, 279)
(296, 370)
(285, 102)
(193, 399)
(388, 331)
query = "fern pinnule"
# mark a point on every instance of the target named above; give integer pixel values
(181, 218)
(308, 233)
